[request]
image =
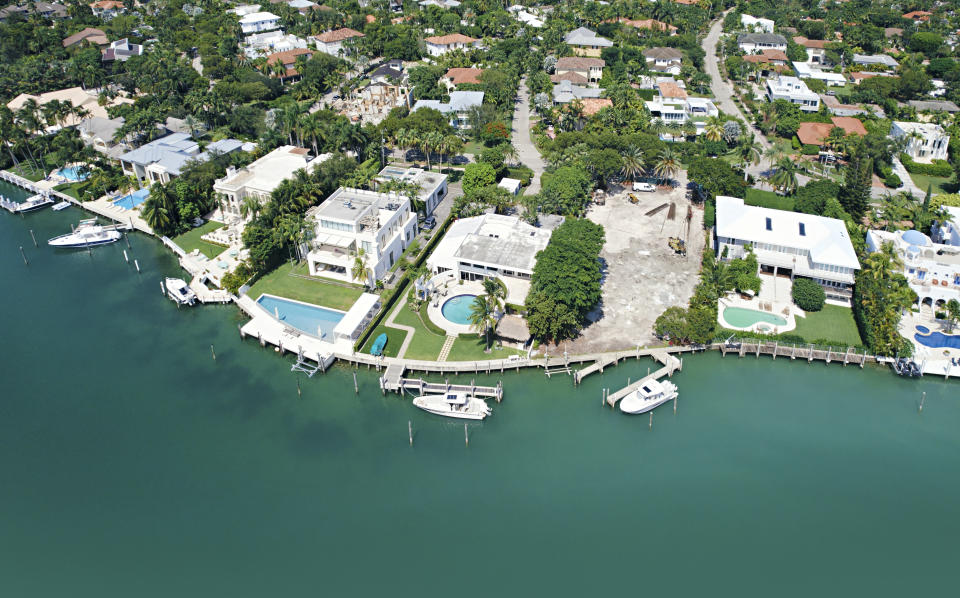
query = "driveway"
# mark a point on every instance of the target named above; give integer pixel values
(526, 151)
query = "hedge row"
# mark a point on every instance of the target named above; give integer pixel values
(940, 168)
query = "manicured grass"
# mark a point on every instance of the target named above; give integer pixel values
(768, 199)
(470, 347)
(191, 240)
(27, 171)
(72, 189)
(395, 340)
(940, 184)
(309, 290)
(472, 147)
(833, 323)
(425, 344)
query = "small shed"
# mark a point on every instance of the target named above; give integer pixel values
(513, 327)
(511, 185)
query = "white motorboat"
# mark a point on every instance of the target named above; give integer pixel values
(454, 404)
(178, 290)
(87, 234)
(650, 395)
(63, 205)
(28, 205)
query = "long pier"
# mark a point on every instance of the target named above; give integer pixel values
(393, 380)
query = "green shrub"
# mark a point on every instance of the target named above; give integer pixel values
(892, 181)
(808, 295)
(795, 143)
(809, 149)
(940, 168)
(709, 214)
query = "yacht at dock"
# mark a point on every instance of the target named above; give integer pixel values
(458, 405)
(650, 395)
(87, 234)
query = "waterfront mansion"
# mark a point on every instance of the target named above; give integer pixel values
(932, 269)
(350, 220)
(789, 244)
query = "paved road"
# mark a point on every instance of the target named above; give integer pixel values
(526, 151)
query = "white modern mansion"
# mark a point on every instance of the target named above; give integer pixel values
(794, 91)
(932, 269)
(925, 141)
(789, 243)
(258, 21)
(673, 105)
(381, 224)
(432, 185)
(261, 177)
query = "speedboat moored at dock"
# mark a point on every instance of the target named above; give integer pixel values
(459, 405)
(179, 291)
(87, 234)
(650, 395)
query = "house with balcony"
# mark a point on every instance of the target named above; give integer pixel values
(270, 42)
(337, 42)
(257, 22)
(932, 269)
(794, 91)
(431, 186)
(673, 105)
(752, 43)
(926, 142)
(816, 49)
(586, 42)
(457, 109)
(590, 70)
(382, 225)
(107, 9)
(441, 44)
(98, 132)
(789, 244)
(756, 24)
(260, 178)
(663, 60)
(947, 230)
(161, 160)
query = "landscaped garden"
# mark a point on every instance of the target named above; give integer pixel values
(191, 240)
(283, 282)
(27, 171)
(833, 323)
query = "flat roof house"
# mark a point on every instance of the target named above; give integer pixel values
(258, 21)
(590, 69)
(586, 42)
(882, 59)
(756, 24)
(805, 71)
(663, 60)
(441, 44)
(673, 105)
(457, 108)
(751, 43)
(491, 245)
(794, 91)
(160, 160)
(270, 42)
(260, 178)
(432, 186)
(381, 224)
(926, 142)
(336, 42)
(120, 50)
(789, 243)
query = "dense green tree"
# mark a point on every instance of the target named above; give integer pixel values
(855, 193)
(565, 191)
(476, 176)
(716, 177)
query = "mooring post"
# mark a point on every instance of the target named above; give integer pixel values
(137, 264)
(214, 353)
(299, 392)
(675, 398)
(466, 437)
(410, 431)
(651, 420)
(923, 398)
(34, 238)
(24, 256)
(356, 389)
(126, 238)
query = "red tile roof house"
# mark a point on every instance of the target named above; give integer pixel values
(332, 42)
(441, 44)
(289, 60)
(816, 49)
(817, 133)
(459, 76)
(589, 68)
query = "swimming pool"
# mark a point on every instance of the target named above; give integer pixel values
(938, 340)
(133, 199)
(741, 317)
(74, 173)
(305, 317)
(457, 309)
(923, 329)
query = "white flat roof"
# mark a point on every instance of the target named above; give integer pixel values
(267, 172)
(256, 17)
(492, 239)
(826, 239)
(356, 315)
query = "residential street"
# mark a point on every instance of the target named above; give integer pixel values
(526, 151)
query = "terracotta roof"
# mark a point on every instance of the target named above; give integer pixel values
(371, 19)
(810, 43)
(671, 90)
(850, 125)
(94, 36)
(453, 38)
(337, 35)
(107, 4)
(643, 24)
(593, 105)
(687, 2)
(859, 76)
(918, 15)
(816, 133)
(774, 55)
(289, 57)
(571, 76)
(892, 31)
(576, 63)
(462, 75)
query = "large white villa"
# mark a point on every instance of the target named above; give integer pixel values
(432, 185)
(491, 245)
(925, 141)
(932, 269)
(789, 244)
(261, 177)
(381, 224)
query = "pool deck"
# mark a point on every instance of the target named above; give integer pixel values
(934, 360)
(781, 310)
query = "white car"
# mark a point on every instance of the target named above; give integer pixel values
(643, 187)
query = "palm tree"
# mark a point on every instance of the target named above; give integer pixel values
(250, 206)
(429, 142)
(495, 291)
(155, 215)
(784, 178)
(658, 127)
(668, 164)
(713, 131)
(359, 269)
(748, 152)
(482, 317)
(452, 145)
(632, 162)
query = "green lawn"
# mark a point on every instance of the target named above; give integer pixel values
(191, 240)
(395, 339)
(940, 184)
(832, 323)
(768, 199)
(27, 171)
(71, 189)
(425, 344)
(473, 147)
(470, 347)
(330, 294)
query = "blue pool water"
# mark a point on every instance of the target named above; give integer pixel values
(312, 319)
(457, 309)
(74, 173)
(938, 340)
(133, 199)
(923, 329)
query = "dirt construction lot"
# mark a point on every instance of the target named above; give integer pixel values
(643, 276)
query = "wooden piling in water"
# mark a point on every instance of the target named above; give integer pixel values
(24, 256)
(34, 238)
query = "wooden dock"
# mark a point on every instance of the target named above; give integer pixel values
(670, 365)
(810, 353)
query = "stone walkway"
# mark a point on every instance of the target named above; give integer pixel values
(408, 329)
(447, 345)
(527, 152)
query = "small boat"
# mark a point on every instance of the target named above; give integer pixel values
(458, 405)
(178, 290)
(63, 205)
(650, 395)
(378, 345)
(87, 234)
(33, 203)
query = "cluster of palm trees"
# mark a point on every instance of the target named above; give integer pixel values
(31, 119)
(428, 142)
(486, 309)
(323, 131)
(665, 166)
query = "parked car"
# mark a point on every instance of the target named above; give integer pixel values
(429, 223)
(643, 187)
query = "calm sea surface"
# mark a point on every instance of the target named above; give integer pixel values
(133, 464)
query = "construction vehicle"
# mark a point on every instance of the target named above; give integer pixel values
(633, 198)
(677, 245)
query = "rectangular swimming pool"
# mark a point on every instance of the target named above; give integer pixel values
(305, 317)
(133, 199)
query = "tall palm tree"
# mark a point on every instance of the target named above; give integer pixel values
(495, 291)
(784, 177)
(667, 165)
(250, 206)
(713, 131)
(482, 317)
(429, 142)
(359, 269)
(748, 152)
(156, 215)
(632, 162)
